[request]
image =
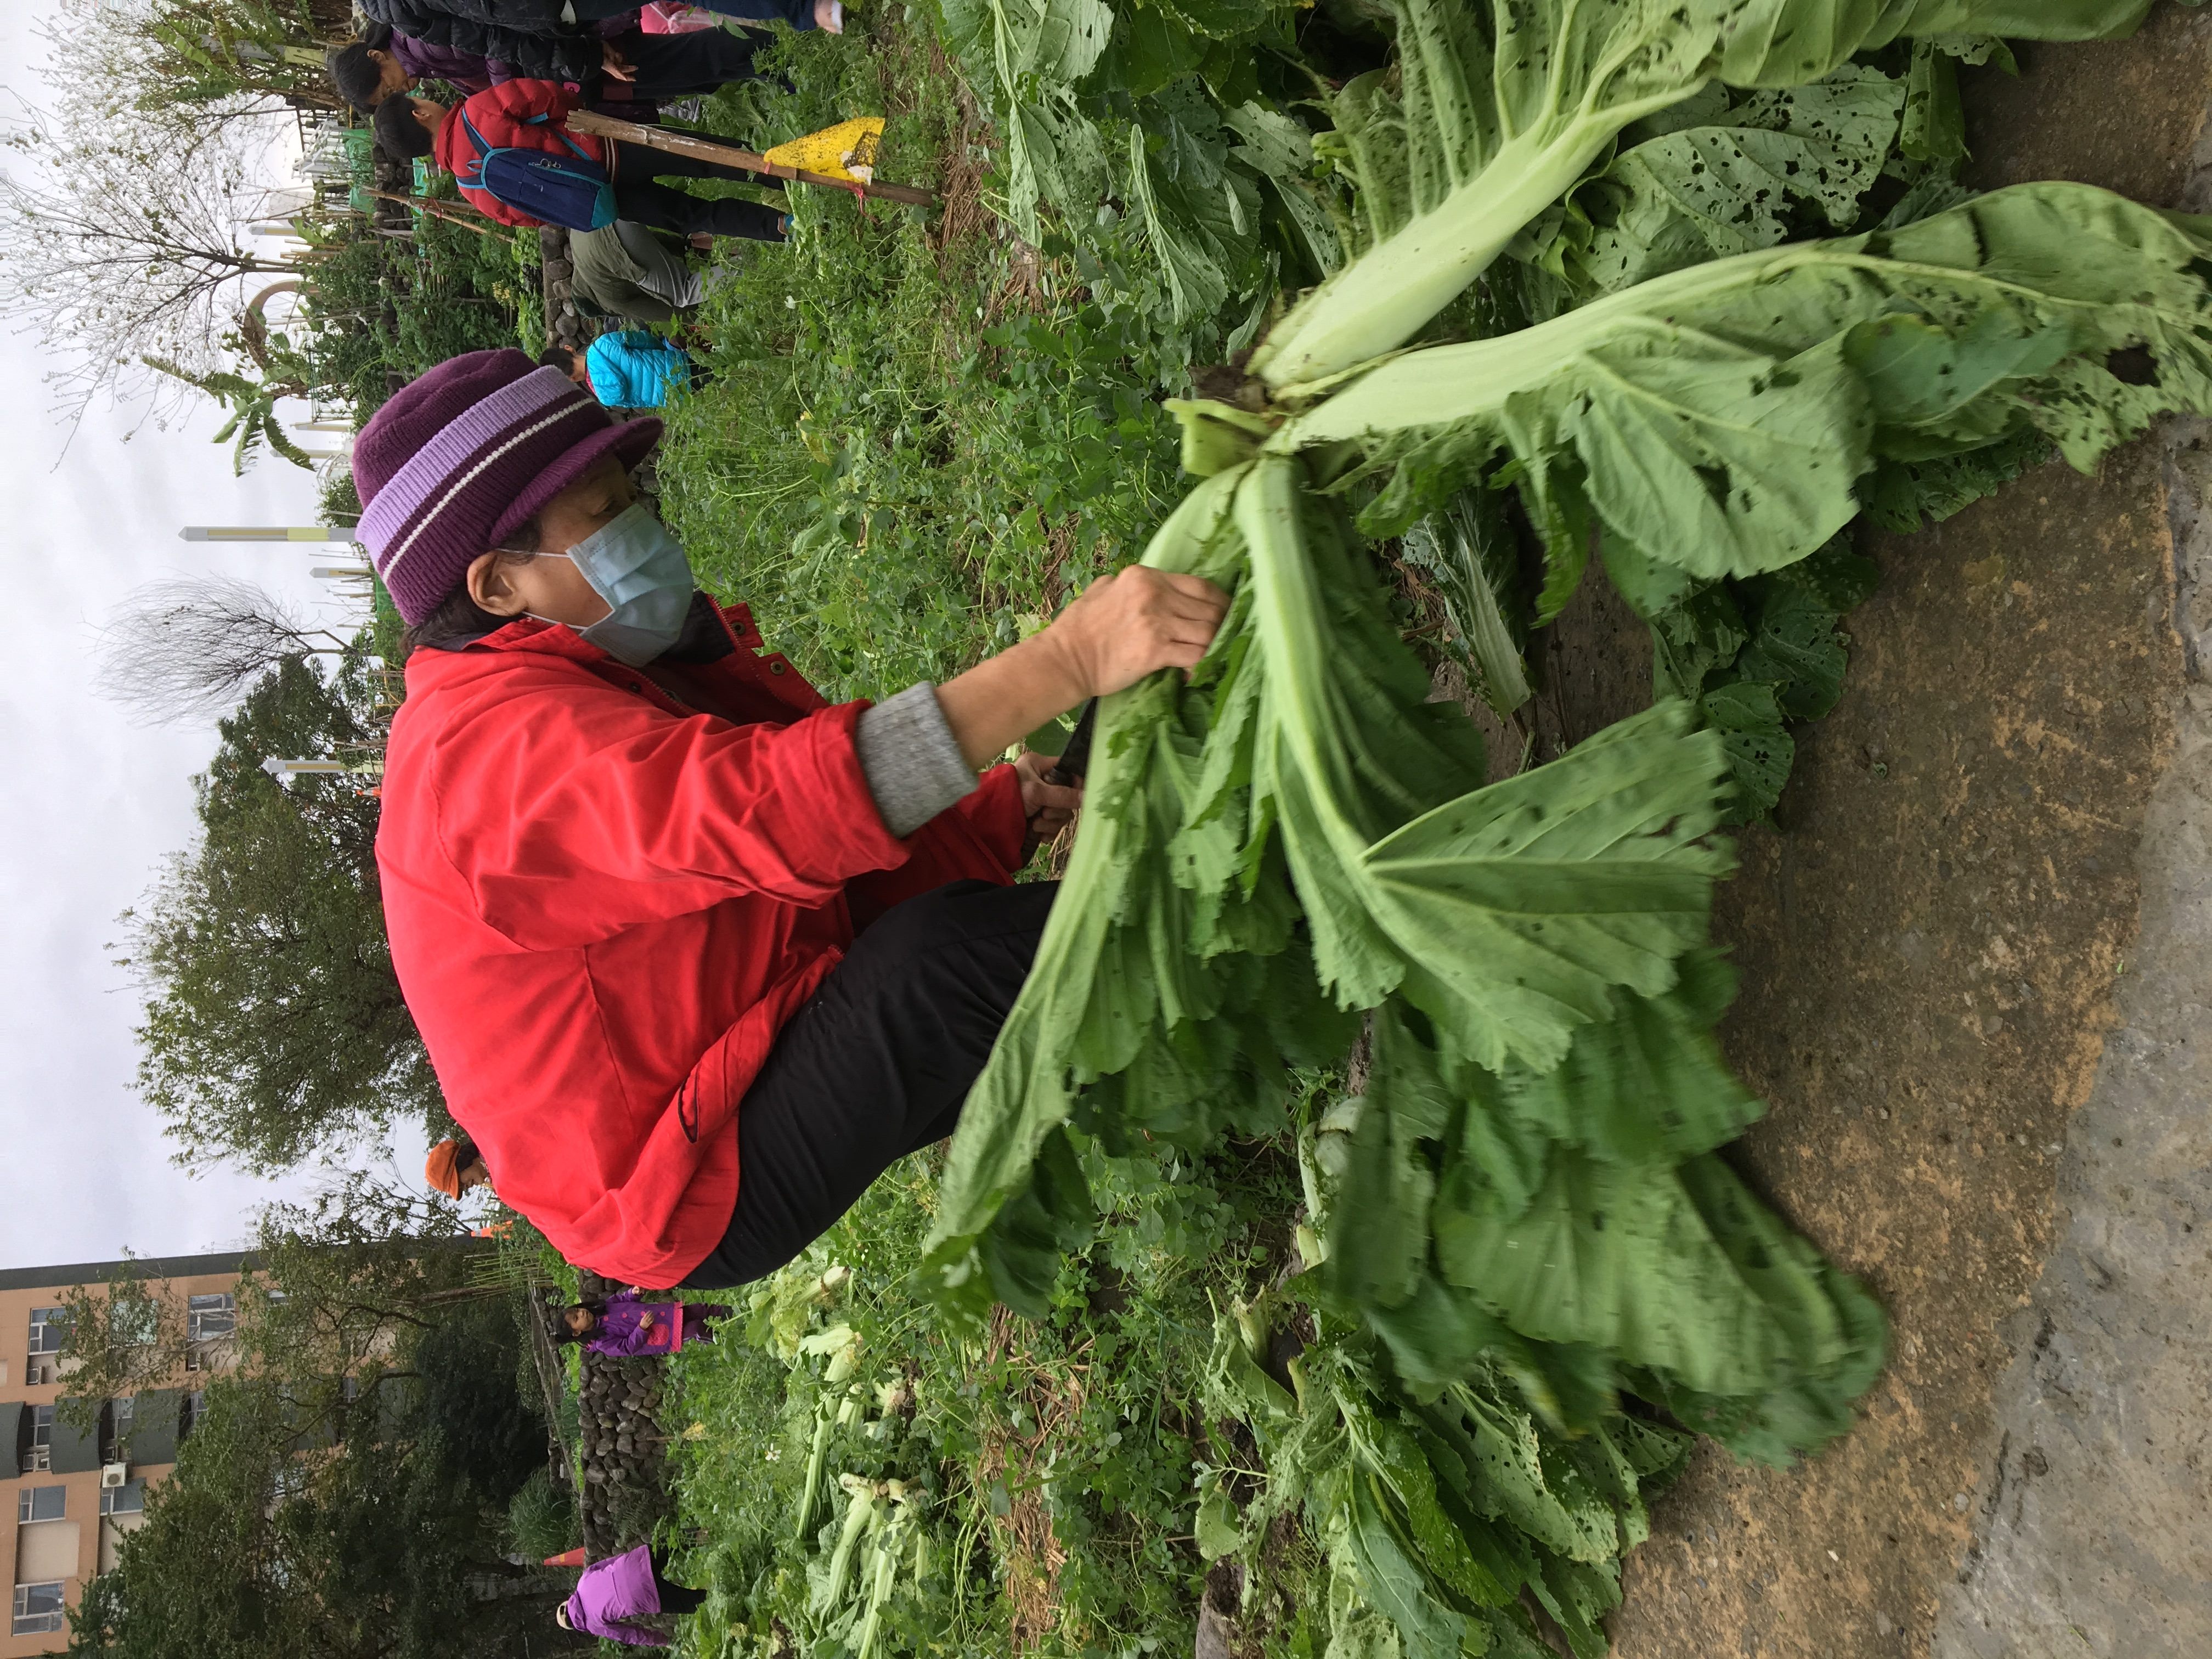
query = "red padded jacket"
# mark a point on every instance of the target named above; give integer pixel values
(603, 904)
(505, 114)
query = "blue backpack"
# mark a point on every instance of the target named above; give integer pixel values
(573, 193)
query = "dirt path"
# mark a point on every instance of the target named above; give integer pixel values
(1936, 949)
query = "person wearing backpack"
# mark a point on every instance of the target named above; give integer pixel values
(510, 148)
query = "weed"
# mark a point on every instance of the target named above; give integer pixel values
(918, 437)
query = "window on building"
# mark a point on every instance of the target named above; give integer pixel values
(121, 1412)
(41, 1453)
(134, 1322)
(39, 1608)
(129, 1499)
(41, 1503)
(209, 1317)
(47, 1325)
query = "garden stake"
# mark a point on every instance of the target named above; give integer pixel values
(682, 143)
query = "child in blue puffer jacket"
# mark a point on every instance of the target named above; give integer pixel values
(634, 368)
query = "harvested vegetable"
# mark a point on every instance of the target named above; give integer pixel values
(1536, 947)
(1439, 1510)
(1720, 420)
(1531, 1160)
(1521, 1218)
(1493, 113)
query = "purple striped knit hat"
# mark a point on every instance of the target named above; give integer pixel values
(458, 459)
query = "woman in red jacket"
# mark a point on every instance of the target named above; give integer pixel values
(696, 954)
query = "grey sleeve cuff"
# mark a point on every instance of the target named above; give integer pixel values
(910, 759)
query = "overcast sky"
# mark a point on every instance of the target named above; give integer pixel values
(91, 803)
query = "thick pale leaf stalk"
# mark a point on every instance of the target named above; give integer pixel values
(1506, 105)
(1720, 419)
(1387, 296)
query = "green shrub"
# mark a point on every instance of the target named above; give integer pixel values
(541, 1517)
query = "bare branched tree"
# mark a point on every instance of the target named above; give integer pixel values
(125, 251)
(225, 62)
(186, 649)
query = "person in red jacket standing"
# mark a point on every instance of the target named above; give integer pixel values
(696, 955)
(530, 115)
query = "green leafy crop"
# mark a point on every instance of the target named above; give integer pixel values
(1495, 111)
(1543, 1063)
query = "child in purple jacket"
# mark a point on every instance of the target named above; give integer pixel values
(625, 1324)
(616, 1596)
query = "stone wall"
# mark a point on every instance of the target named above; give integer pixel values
(563, 322)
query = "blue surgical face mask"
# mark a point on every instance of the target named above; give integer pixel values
(640, 570)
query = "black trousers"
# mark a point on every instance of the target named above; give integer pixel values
(679, 1599)
(638, 197)
(799, 14)
(685, 65)
(876, 1064)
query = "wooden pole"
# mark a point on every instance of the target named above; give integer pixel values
(456, 213)
(682, 143)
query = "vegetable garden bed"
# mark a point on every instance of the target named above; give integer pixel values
(918, 444)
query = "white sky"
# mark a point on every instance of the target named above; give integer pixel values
(89, 804)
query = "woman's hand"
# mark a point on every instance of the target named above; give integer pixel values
(1126, 625)
(1123, 627)
(616, 67)
(1050, 807)
(645, 1322)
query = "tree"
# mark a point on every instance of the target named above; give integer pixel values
(355, 1273)
(356, 1535)
(121, 1338)
(228, 60)
(183, 649)
(123, 247)
(253, 421)
(335, 1285)
(343, 1493)
(274, 1027)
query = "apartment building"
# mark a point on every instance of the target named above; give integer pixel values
(68, 1496)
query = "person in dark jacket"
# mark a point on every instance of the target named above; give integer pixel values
(560, 39)
(384, 62)
(636, 70)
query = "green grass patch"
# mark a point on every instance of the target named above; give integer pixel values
(919, 433)
(1049, 1467)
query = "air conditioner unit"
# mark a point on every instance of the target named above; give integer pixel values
(114, 1474)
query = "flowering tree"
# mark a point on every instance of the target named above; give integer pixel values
(123, 249)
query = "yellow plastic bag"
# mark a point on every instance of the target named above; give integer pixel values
(847, 151)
